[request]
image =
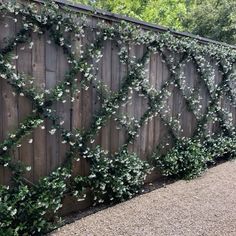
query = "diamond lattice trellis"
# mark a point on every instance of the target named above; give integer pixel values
(152, 99)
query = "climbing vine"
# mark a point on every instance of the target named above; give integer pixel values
(27, 209)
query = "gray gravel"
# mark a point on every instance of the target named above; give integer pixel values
(204, 206)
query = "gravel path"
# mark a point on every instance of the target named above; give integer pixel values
(204, 206)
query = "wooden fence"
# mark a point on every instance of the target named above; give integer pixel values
(47, 63)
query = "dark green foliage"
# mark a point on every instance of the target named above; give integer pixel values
(213, 19)
(117, 179)
(27, 211)
(169, 13)
(189, 158)
(221, 146)
(185, 161)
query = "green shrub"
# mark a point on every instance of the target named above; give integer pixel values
(186, 160)
(26, 211)
(221, 146)
(116, 179)
(189, 158)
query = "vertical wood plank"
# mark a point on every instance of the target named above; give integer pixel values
(218, 79)
(176, 103)
(9, 101)
(96, 103)
(130, 106)
(87, 96)
(38, 72)
(187, 118)
(144, 107)
(207, 99)
(115, 83)
(151, 123)
(194, 84)
(63, 108)
(51, 55)
(137, 108)
(93, 94)
(165, 137)
(76, 119)
(24, 66)
(122, 108)
(2, 23)
(157, 84)
(106, 76)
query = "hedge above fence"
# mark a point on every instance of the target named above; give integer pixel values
(32, 210)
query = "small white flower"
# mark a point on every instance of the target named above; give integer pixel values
(31, 45)
(60, 94)
(15, 57)
(26, 25)
(4, 148)
(52, 131)
(31, 140)
(28, 168)
(80, 199)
